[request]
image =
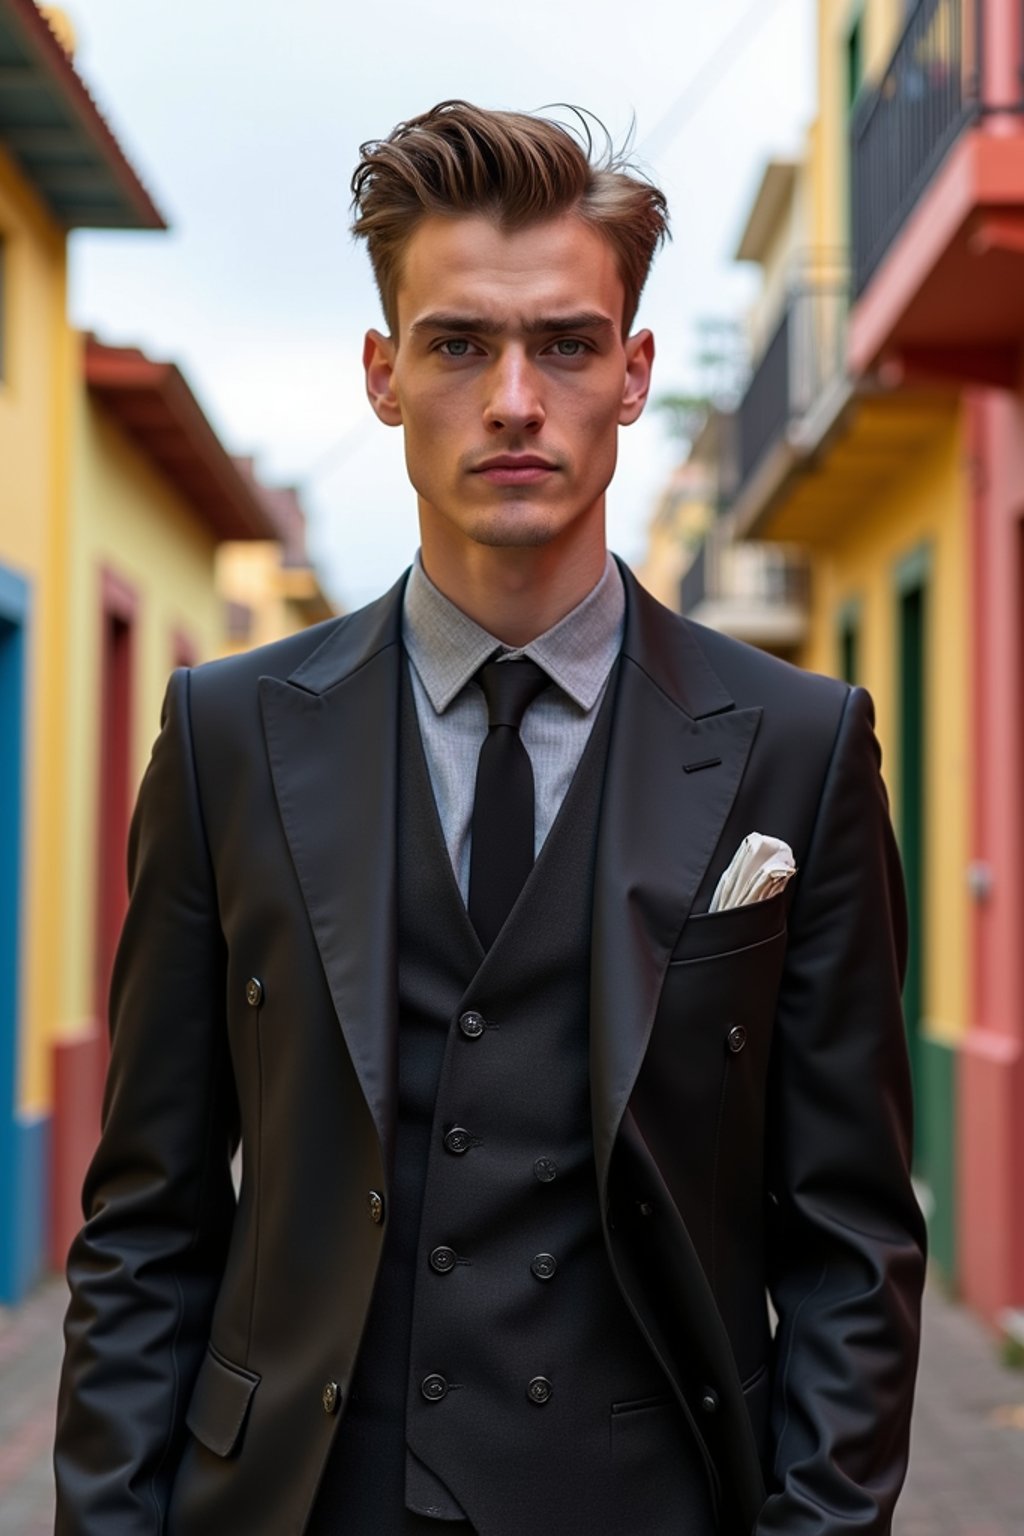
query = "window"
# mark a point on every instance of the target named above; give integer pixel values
(849, 641)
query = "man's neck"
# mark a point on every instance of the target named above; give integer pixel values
(515, 594)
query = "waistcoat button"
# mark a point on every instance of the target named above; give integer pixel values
(544, 1266)
(375, 1202)
(434, 1388)
(545, 1170)
(736, 1038)
(709, 1401)
(539, 1390)
(330, 1397)
(472, 1024)
(254, 991)
(443, 1259)
(457, 1140)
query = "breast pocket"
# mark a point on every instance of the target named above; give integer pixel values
(720, 933)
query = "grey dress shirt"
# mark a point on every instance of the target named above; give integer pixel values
(446, 647)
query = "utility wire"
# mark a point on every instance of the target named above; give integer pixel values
(697, 89)
(352, 438)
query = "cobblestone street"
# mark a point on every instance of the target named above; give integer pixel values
(967, 1460)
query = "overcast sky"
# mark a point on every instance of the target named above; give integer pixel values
(244, 121)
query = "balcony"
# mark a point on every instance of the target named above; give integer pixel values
(937, 199)
(755, 592)
(797, 392)
(816, 444)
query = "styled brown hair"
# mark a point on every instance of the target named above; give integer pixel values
(518, 169)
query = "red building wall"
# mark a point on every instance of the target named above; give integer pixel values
(991, 1079)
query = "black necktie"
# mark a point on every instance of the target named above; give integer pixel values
(501, 834)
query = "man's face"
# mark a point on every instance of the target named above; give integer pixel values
(510, 378)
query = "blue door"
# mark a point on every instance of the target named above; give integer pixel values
(22, 1189)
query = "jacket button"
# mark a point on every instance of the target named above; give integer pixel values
(254, 991)
(540, 1390)
(434, 1388)
(545, 1169)
(736, 1038)
(330, 1397)
(457, 1140)
(709, 1401)
(472, 1024)
(375, 1201)
(443, 1260)
(543, 1266)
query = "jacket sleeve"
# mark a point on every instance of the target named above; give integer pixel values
(158, 1199)
(846, 1235)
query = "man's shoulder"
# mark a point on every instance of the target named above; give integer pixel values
(749, 676)
(710, 673)
(755, 676)
(276, 658)
(336, 643)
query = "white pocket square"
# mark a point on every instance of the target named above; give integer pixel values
(760, 867)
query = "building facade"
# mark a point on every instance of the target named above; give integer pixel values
(60, 169)
(152, 495)
(937, 221)
(115, 496)
(882, 431)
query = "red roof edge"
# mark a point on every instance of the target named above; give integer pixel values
(48, 48)
(153, 404)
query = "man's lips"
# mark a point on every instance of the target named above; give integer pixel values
(515, 469)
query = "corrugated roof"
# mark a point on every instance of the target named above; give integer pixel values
(54, 130)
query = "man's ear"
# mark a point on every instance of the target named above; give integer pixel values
(379, 366)
(639, 362)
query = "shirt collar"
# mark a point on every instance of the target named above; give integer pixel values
(447, 647)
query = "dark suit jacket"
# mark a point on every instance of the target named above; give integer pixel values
(751, 1107)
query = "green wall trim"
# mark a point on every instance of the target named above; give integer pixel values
(936, 1138)
(912, 664)
(913, 569)
(848, 626)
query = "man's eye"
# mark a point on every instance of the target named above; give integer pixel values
(455, 346)
(570, 346)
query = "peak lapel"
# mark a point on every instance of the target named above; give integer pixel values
(658, 830)
(331, 732)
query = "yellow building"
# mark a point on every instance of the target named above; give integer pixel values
(115, 493)
(269, 587)
(867, 470)
(60, 169)
(753, 590)
(682, 516)
(153, 493)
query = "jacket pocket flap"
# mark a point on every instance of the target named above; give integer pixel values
(219, 1403)
(718, 933)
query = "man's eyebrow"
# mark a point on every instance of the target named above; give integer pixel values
(460, 324)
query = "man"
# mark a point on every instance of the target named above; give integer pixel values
(524, 1144)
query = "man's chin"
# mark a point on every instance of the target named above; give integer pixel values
(512, 523)
(508, 534)
(521, 525)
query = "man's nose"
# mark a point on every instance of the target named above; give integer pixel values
(514, 400)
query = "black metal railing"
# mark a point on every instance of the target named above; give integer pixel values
(750, 576)
(903, 129)
(804, 355)
(764, 409)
